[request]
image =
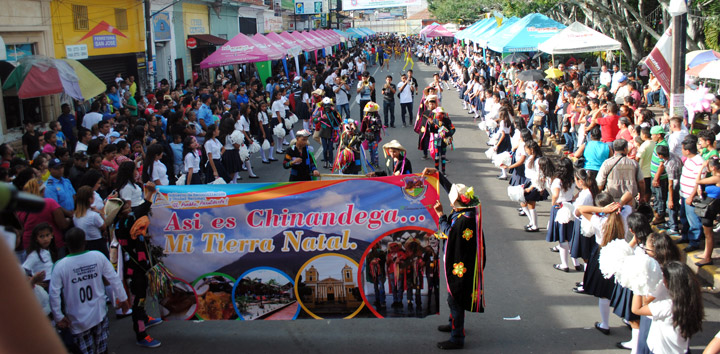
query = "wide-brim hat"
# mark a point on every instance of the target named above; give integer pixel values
(318, 92)
(462, 196)
(371, 107)
(112, 208)
(394, 144)
(426, 91)
(431, 98)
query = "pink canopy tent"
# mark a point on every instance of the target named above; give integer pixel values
(272, 46)
(335, 35)
(297, 41)
(310, 42)
(285, 43)
(316, 38)
(327, 37)
(240, 49)
(436, 31)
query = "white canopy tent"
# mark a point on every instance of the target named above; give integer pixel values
(578, 38)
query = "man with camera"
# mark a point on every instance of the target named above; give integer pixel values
(406, 90)
(342, 96)
(388, 92)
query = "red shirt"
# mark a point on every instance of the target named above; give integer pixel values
(609, 127)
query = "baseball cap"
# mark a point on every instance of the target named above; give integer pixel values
(657, 130)
(622, 78)
(114, 135)
(303, 132)
(55, 163)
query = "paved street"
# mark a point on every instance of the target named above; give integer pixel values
(520, 281)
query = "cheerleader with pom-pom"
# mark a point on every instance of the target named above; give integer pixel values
(560, 227)
(608, 220)
(244, 138)
(621, 300)
(230, 158)
(265, 135)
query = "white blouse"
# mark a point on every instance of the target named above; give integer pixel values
(213, 147)
(192, 161)
(160, 173)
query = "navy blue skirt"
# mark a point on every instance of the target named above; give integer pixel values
(621, 301)
(558, 232)
(581, 246)
(535, 195)
(505, 144)
(593, 281)
(231, 161)
(517, 177)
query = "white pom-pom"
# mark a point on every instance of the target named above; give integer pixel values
(218, 180)
(293, 119)
(491, 124)
(612, 257)
(586, 227)
(516, 194)
(565, 214)
(288, 124)
(266, 144)
(640, 273)
(502, 159)
(482, 125)
(237, 137)
(279, 131)
(490, 153)
(254, 147)
(244, 153)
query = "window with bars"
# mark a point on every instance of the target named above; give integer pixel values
(121, 19)
(80, 17)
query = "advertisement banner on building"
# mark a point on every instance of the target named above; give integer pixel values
(196, 19)
(321, 249)
(161, 27)
(310, 7)
(349, 5)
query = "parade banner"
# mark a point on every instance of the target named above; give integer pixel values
(321, 249)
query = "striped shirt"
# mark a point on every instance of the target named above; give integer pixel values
(690, 171)
(655, 161)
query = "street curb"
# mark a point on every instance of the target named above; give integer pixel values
(708, 273)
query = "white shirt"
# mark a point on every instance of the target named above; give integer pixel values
(563, 195)
(97, 203)
(133, 193)
(406, 93)
(213, 147)
(39, 261)
(663, 337)
(78, 278)
(91, 119)
(584, 198)
(278, 106)
(80, 147)
(160, 173)
(242, 124)
(341, 95)
(605, 78)
(675, 141)
(192, 161)
(90, 223)
(615, 78)
(262, 118)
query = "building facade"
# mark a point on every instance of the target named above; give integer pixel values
(330, 290)
(24, 30)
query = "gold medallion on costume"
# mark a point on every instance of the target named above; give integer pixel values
(467, 234)
(459, 269)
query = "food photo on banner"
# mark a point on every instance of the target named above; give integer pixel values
(339, 248)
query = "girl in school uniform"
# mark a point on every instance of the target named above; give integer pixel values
(562, 190)
(214, 150)
(581, 245)
(609, 221)
(535, 184)
(191, 160)
(505, 131)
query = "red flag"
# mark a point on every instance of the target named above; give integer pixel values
(658, 61)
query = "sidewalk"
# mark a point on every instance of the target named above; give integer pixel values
(709, 273)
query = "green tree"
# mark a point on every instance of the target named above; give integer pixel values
(458, 11)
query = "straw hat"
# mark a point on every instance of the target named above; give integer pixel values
(426, 91)
(431, 98)
(318, 92)
(462, 196)
(394, 144)
(112, 208)
(371, 107)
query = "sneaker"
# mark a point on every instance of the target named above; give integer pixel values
(152, 322)
(149, 342)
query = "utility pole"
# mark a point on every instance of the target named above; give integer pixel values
(677, 73)
(149, 46)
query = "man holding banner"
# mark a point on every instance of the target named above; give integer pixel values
(464, 257)
(299, 160)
